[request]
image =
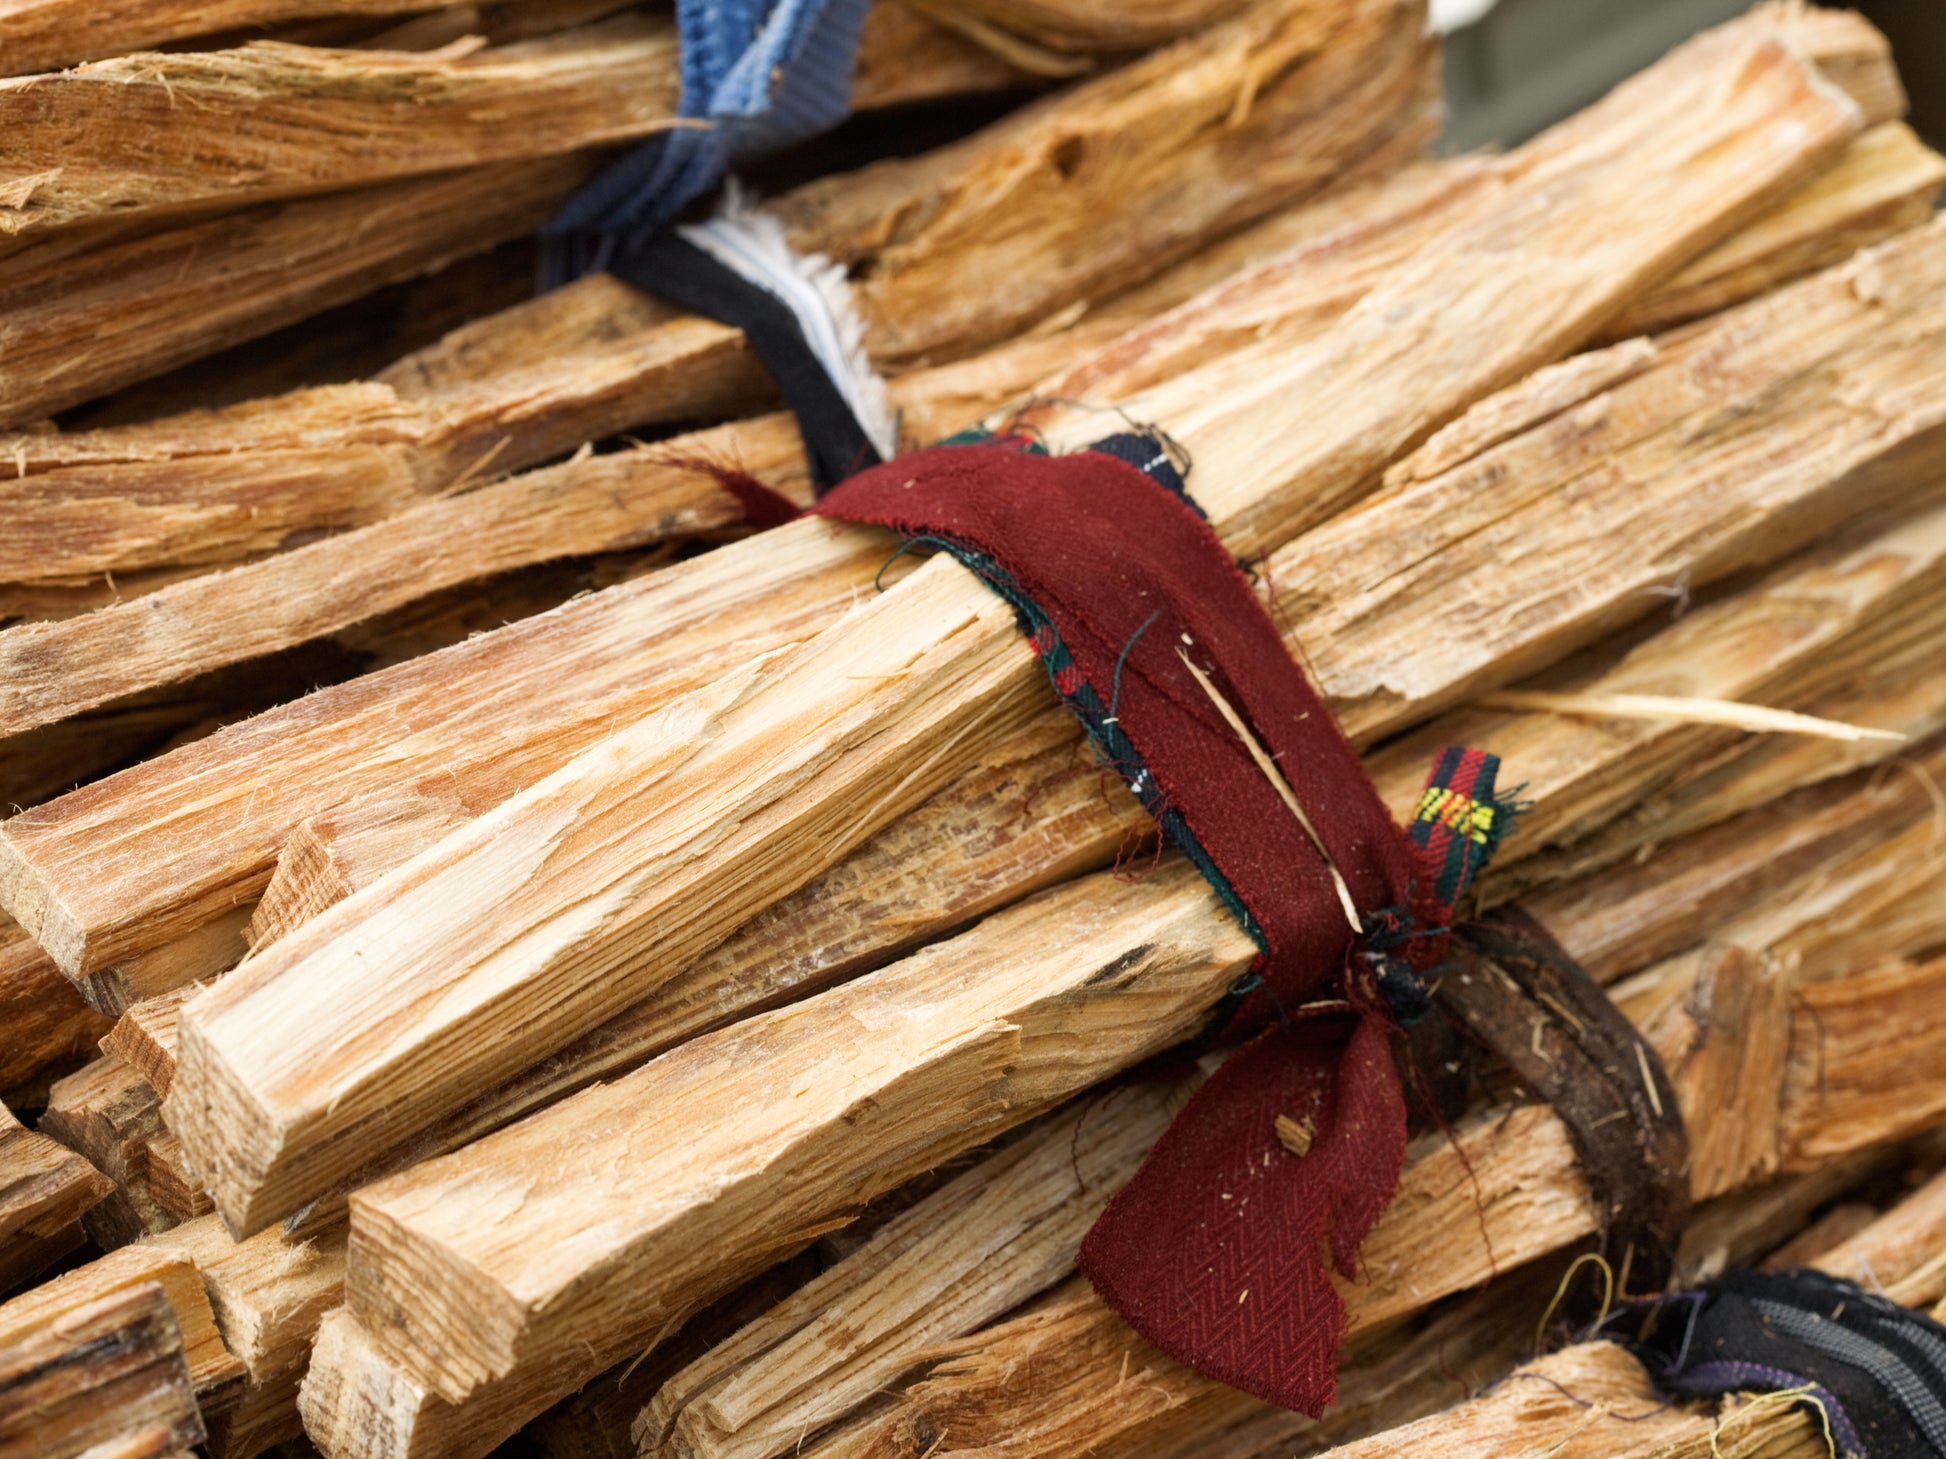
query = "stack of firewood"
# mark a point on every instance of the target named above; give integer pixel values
(498, 951)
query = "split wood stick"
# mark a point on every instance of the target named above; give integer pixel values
(44, 1189)
(1173, 954)
(1629, 916)
(1734, 1022)
(109, 1114)
(628, 498)
(1812, 627)
(47, 35)
(928, 1276)
(714, 1408)
(45, 1019)
(216, 944)
(792, 749)
(50, 35)
(332, 855)
(762, 752)
(144, 1038)
(1312, 67)
(105, 1377)
(1901, 1254)
(169, 1182)
(1541, 1218)
(1892, 685)
(596, 358)
(576, 672)
(1885, 183)
(216, 1374)
(269, 1294)
(81, 326)
(1593, 1401)
(883, 898)
(1322, 602)
(1338, 372)
(153, 135)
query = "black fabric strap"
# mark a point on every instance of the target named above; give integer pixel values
(669, 267)
(1516, 991)
(1877, 1370)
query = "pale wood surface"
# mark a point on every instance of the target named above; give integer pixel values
(109, 1114)
(1878, 580)
(595, 358)
(135, 306)
(144, 1038)
(155, 134)
(45, 35)
(1804, 1122)
(1819, 625)
(333, 854)
(83, 326)
(1801, 602)
(1886, 181)
(245, 1142)
(103, 1377)
(928, 1276)
(626, 499)
(218, 1376)
(1846, 394)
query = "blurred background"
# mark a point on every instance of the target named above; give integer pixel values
(1514, 66)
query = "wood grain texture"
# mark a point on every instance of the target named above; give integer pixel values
(80, 327)
(334, 854)
(144, 1038)
(1592, 1401)
(629, 498)
(45, 1019)
(46, 35)
(624, 499)
(44, 1189)
(220, 1102)
(103, 1377)
(156, 134)
(109, 1114)
(83, 324)
(268, 1295)
(596, 359)
(1719, 1027)
(1845, 387)
(608, 659)
(1100, 823)
(1817, 633)
(216, 1374)
(414, 1234)
(930, 1275)
(1885, 182)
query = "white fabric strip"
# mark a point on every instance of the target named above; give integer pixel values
(751, 242)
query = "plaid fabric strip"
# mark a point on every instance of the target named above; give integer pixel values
(1458, 822)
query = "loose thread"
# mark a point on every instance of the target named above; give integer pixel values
(1115, 685)
(1561, 1292)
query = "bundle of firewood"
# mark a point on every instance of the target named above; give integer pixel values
(501, 946)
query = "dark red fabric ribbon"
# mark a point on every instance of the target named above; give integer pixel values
(1216, 1251)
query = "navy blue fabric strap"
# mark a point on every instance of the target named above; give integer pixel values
(1876, 1370)
(670, 267)
(757, 76)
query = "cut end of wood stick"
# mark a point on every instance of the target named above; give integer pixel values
(1754, 718)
